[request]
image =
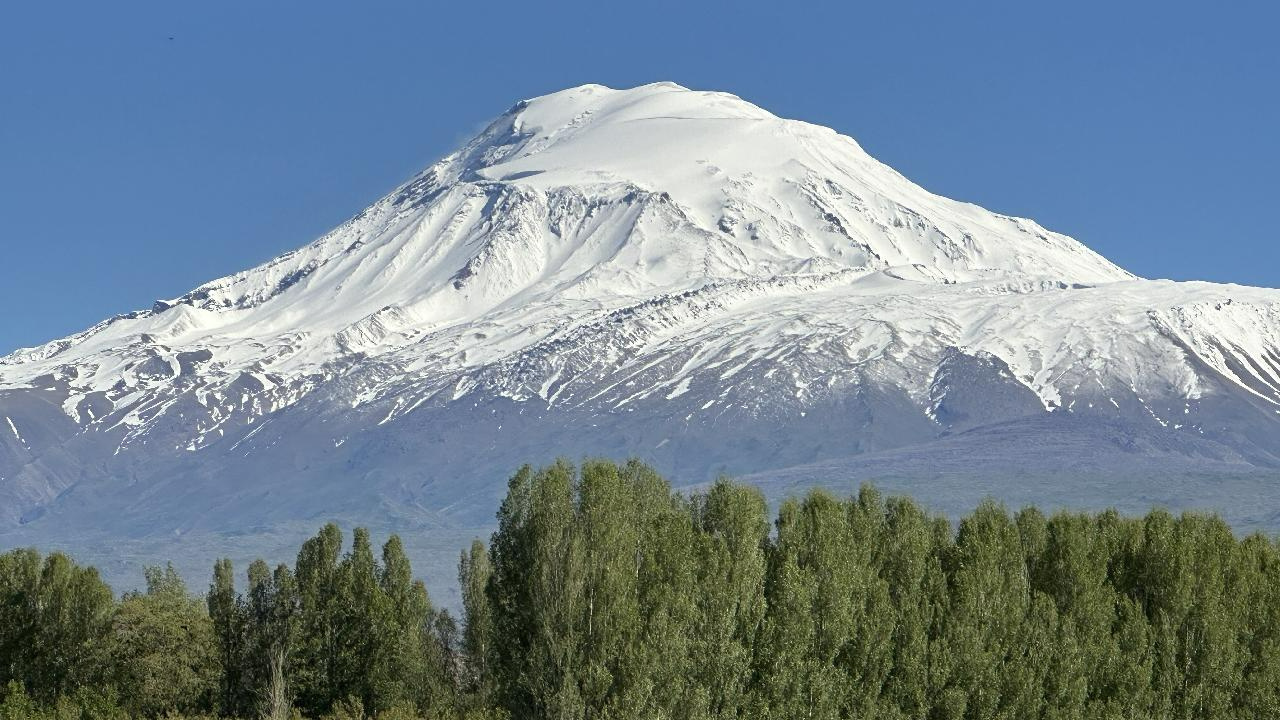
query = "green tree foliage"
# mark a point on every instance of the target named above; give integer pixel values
(162, 648)
(733, 530)
(268, 642)
(55, 624)
(909, 554)
(228, 628)
(318, 680)
(341, 632)
(862, 608)
(604, 594)
(537, 592)
(474, 572)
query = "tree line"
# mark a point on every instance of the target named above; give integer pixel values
(604, 594)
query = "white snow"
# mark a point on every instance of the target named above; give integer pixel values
(600, 245)
(14, 428)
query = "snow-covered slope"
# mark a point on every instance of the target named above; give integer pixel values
(654, 271)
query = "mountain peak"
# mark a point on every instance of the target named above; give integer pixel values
(661, 272)
(660, 136)
(659, 100)
(784, 193)
(599, 196)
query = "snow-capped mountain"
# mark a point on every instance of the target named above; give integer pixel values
(662, 272)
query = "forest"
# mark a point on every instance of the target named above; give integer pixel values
(605, 594)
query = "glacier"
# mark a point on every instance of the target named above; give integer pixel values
(660, 272)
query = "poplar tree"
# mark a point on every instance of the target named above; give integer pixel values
(868, 652)
(228, 621)
(669, 595)
(56, 625)
(989, 599)
(474, 573)
(911, 554)
(1258, 566)
(608, 518)
(537, 591)
(271, 612)
(731, 608)
(320, 653)
(402, 666)
(796, 679)
(365, 628)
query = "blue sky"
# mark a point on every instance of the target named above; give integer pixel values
(146, 147)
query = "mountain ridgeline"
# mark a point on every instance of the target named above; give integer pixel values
(604, 594)
(672, 274)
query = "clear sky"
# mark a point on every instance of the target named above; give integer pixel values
(146, 147)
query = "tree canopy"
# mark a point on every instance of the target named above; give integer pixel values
(605, 594)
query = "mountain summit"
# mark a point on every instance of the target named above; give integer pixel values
(669, 273)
